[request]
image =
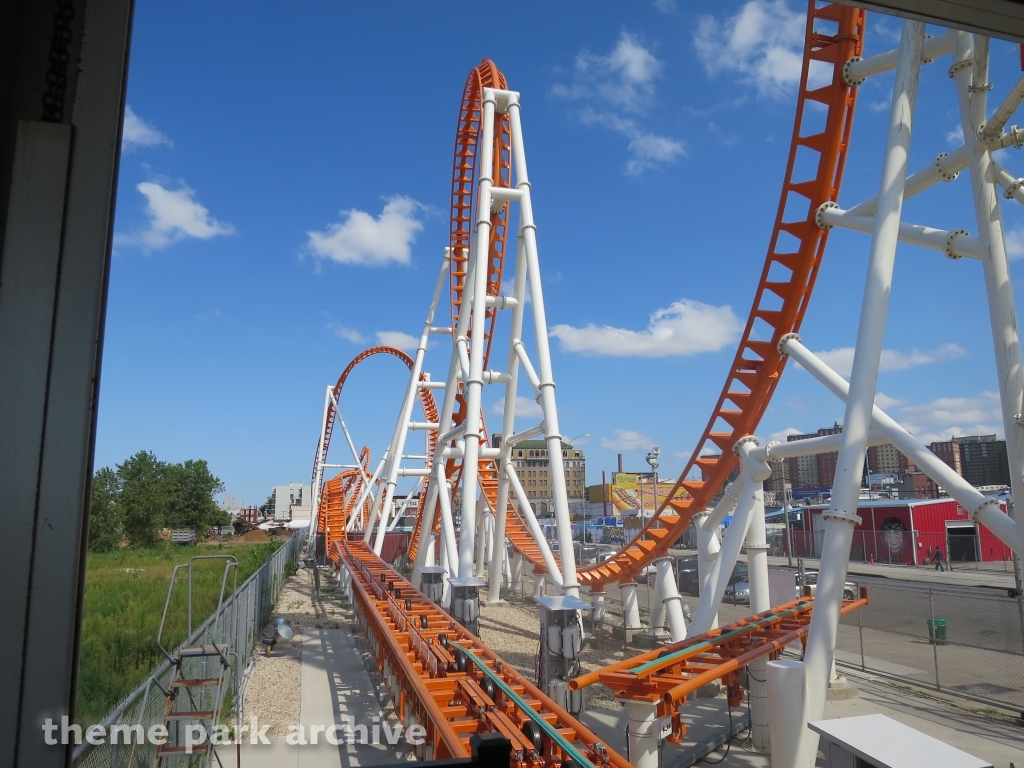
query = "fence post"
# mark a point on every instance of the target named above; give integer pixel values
(860, 631)
(934, 637)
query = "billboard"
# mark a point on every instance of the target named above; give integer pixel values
(632, 492)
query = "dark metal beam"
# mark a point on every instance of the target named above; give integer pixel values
(1003, 19)
(63, 67)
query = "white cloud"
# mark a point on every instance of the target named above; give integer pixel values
(404, 341)
(685, 328)
(879, 106)
(781, 436)
(626, 440)
(668, 7)
(1014, 239)
(174, 214)
(948, 416)
(956, 136)
(647, 150)
(623, 84)
(348, 334)
(526, 408)
(885, 402)
(138, 133)
(763, 44)
(362, 239)
(841, 359)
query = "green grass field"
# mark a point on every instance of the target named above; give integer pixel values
(124, 599)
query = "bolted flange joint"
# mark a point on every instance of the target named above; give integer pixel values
(941, 167)
(768, 448)
(848, 77)
(781, 346)
(1012, 188)
(951, 242)
(744, 440)
(840, 514)
(819, 215)
(975, 514)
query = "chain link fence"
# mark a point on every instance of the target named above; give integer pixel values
(967, 645)
(237, 624)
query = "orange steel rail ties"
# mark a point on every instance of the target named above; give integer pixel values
(338, 501)
(834, 34)
(430, 414)
(666, 676)
(442, 677)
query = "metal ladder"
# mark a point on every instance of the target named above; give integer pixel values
(199, 680)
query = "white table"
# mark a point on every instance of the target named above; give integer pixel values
(880, 741)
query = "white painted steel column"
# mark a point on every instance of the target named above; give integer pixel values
(553, 437)
(447, 521)
(475, 383)
(842, 513)
(481, 534)
(508, 419)
(643, 739)
(518, 561)
(630, 608)
(708, 547)
(787, 702)
(735, 536)
(656, 621)
(597, 599)
(365, 491)
(984, 509)
(427, 555)
(531, 522)
(998, 283)
(757, 571)
(538, 584)
(402, 427)
(671, 599)
(318, 472)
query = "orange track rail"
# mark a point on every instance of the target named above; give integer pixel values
(429, 412)
(442, 677)
(783, 292)
(666, 676)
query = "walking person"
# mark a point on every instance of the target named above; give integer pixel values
(938, 560)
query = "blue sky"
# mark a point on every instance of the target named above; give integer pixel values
(283, 201)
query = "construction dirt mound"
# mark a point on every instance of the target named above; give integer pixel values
(254, 536)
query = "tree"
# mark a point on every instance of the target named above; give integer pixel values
(191, 488)
(144, 498)
(106, 518)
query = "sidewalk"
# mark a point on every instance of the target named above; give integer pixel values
(963, 576)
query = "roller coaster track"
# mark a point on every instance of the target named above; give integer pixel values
(429, 411)
(834, 34)
(338, 501)
(442, 677)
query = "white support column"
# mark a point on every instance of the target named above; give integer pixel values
(671, 599)
(630, 608)
(708, 547)
(757, 570)
(749, 493)
(842, 513)
(656, 621)
(970, 71)
(475, 382)
(553, 437)
(538, 584)
(597, 599)
(508, 419)
(401, 432)
(641, 734)
(787, 702)
(518, 561)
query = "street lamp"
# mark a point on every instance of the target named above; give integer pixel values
(652, 459)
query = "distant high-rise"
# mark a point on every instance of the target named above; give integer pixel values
(814, 471)
(984, 460)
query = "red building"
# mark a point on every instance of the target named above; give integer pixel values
(906, 531)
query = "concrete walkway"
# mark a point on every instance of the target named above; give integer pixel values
(335, 686)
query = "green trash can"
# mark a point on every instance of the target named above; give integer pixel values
(936, 631)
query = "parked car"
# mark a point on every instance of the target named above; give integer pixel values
(850, 589)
